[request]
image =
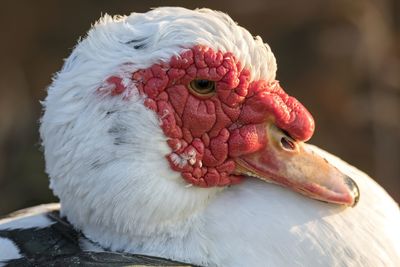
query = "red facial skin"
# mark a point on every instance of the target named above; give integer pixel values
(209, 132)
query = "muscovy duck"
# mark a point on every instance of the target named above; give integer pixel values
(160, 134)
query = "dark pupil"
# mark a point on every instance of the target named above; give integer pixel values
(204, 84)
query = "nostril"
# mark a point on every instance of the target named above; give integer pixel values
(287, 144)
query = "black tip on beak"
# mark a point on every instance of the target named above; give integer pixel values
(354, 189)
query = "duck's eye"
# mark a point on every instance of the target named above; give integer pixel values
(202, 87)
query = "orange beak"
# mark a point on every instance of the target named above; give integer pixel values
(290, 163)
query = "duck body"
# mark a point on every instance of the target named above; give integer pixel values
(283, 229)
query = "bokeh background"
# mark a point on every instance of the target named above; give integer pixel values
(340, 58)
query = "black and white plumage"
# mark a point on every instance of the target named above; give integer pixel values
(39, 236)
(106, 157)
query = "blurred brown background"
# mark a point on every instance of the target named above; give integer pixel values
(340, 58)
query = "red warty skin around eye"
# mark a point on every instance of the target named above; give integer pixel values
(206, 133)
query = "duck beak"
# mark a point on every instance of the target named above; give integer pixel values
(292, 164)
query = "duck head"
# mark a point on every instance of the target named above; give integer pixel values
(154, 114)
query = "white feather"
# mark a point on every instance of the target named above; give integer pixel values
(8, 251)
(29, 218)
